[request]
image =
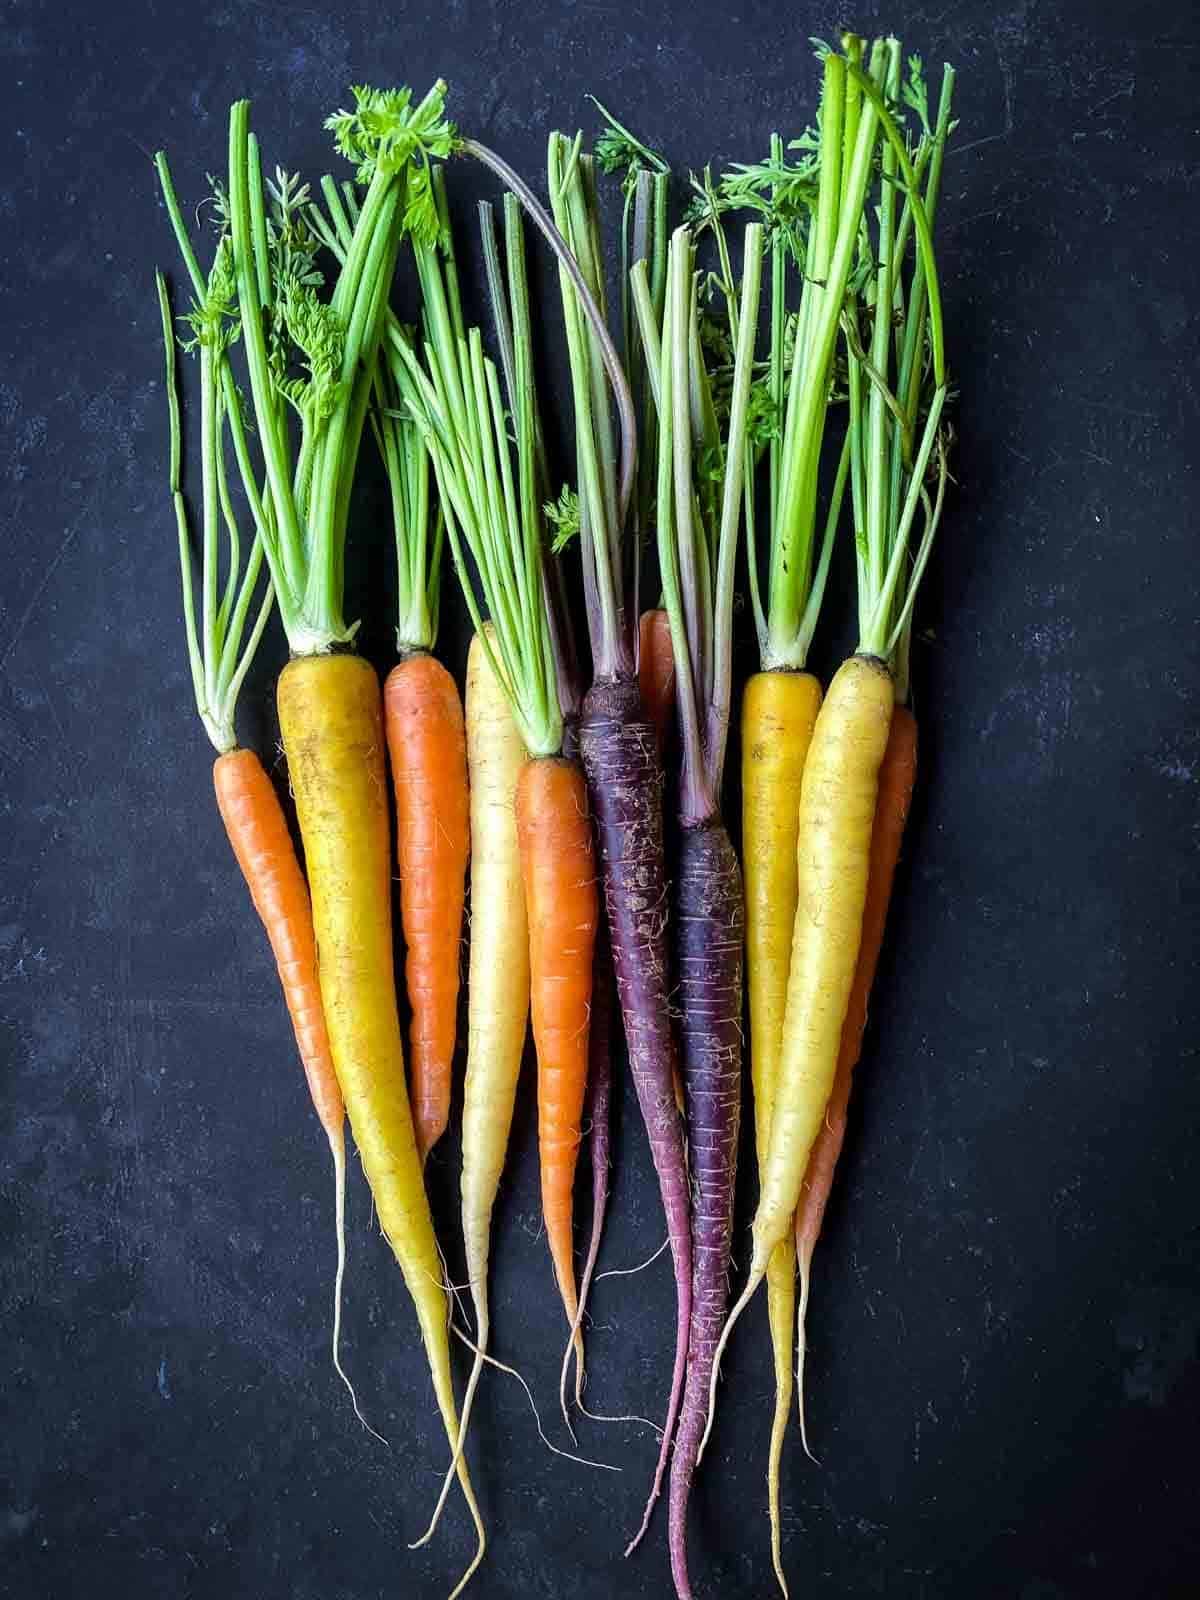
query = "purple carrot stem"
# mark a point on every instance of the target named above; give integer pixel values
(625, 779)
(711, 926)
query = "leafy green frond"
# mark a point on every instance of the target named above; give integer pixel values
(562, 518)
(385, 131)
(214, 319)
(617, 151)
(915, 95)
(782, 193)
(316, 330)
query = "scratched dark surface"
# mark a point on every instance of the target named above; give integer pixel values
(1002, 1382)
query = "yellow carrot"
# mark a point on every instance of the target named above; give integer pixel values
(331, 719)
(779, 712)
(497, 988)
(837, 812)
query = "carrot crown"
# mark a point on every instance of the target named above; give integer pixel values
(896, 367)
(311, 361)
(702, 485)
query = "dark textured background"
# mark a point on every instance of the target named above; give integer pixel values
(1003, 1380)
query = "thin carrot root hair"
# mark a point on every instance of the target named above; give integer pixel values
(481, 1357)
(629, 1272)
(758, 1272)
(337, 1146)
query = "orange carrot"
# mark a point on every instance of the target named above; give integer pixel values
(258, 832)
(427, 744)
(262, 844)
(554, 830)
(896, 777)
(656, 672)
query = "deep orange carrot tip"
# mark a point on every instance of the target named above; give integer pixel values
(554, 831)
(258, 832)
(428, 749)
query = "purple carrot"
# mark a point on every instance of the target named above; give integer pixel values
(710, 920)
(620, 756)
(696, 561)
(625, 780)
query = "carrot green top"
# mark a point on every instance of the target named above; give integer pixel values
(493, 515)
(417, 522)
(896, 367)
(219, 660)
(605, 453)
(702, 485)
(311, 361)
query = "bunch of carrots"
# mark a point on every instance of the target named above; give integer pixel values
(580, 787)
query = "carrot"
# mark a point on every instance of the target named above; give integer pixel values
(779, 712)
(331, 719)
(427, 744)
(698, 520)
(458, 402)
(558, 869)
(258, 833)
(656, 672)
(620, 754)
(782, 701)
(424, 718)
(886, 424)
(498, 990)
(330, 708)
(896, 777)
(246, 798)
(890, 449)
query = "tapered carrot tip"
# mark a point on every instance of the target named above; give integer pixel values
(427, 745)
